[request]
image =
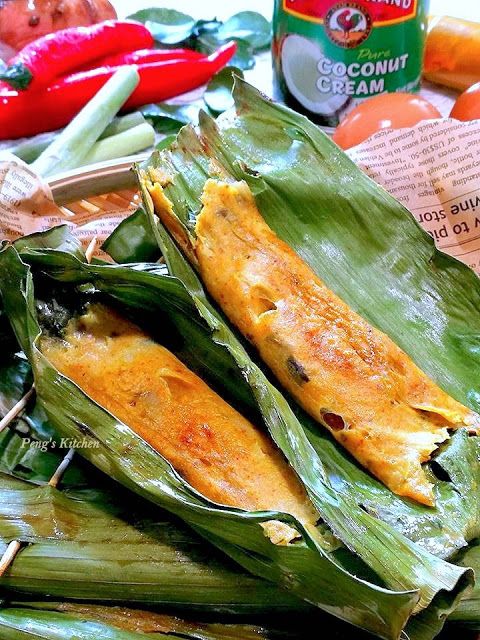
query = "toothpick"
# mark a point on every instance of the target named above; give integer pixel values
(91, 249)
(9, 555)
(62, 467)
(16, 409)
(14, 546)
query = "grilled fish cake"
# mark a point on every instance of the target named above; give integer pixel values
(218, 451)
(345, 373)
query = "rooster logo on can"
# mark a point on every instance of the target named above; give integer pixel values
(347, 24)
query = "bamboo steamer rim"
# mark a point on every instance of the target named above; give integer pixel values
(95, 179)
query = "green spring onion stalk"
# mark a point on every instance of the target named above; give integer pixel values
(122, 144)
(29, 149)
(123, 123)
(74, 143)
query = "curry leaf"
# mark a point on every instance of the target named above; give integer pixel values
(167, 26)
(218, 95)
(244, 57)
(170, 118)
(249, 26)
(206, 26)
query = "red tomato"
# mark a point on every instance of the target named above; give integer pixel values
(388, 110)
(467, 106)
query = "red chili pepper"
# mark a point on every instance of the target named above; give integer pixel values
(25, 114)
(145, 56)
(42, 61)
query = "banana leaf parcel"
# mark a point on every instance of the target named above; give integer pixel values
(317, 568)
(350, 232)
(90, 539)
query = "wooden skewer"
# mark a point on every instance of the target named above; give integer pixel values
(91, 249)
(15, 545)
(9, 555)
(62, 467)
(16, 409)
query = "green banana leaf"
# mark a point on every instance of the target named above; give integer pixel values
(15, 372)
(58, 238)
(312, 568)
(120, 246)
(20, 458)
(24, 624)
(299, 158)
(468, 611)
(74, 622)
(56, 620)
(89, 543)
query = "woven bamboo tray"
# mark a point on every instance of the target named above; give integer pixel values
(104, 186)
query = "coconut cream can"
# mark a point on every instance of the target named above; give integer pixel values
(328, 55)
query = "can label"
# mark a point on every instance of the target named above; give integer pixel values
(380, 12)
(330, 54)
(335, 21)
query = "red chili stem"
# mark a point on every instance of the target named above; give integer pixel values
(42, 61)
(26, 114)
